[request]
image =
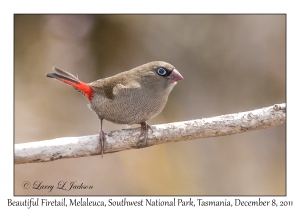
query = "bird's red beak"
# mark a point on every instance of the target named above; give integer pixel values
(175, 76)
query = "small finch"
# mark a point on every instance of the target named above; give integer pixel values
(130, 97)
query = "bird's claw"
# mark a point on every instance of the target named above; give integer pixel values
(144, 131)
(102, 140)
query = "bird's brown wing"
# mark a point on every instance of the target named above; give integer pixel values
(111, 87)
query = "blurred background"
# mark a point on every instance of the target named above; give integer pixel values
(230, 63)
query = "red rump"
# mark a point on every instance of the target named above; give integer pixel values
(81, 86)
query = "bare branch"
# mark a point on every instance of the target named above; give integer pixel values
(71, 147)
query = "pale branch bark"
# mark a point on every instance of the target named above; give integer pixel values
(72, 147)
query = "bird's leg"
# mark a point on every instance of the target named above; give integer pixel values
(145, 127)
(101, 137)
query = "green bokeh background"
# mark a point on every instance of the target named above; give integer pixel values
(230, 63)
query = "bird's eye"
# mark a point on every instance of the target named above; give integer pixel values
(161, 71)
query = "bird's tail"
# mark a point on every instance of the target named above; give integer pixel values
(73, 81)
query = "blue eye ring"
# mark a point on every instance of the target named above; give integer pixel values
(161, 71)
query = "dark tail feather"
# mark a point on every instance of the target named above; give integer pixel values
(63, 75)
(62, 78)
(71, 80)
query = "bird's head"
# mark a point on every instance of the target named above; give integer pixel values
(158, 76)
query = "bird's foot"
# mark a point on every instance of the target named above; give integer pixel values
(144, 130)
(102, 140)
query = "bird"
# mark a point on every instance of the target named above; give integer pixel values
(130, 97)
